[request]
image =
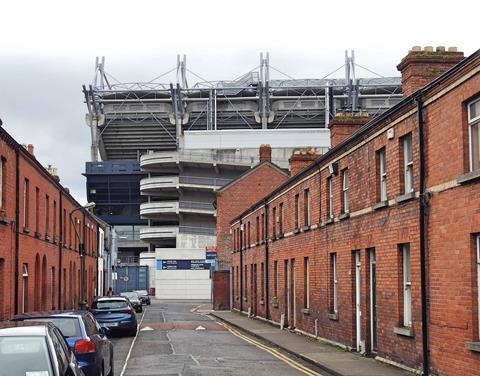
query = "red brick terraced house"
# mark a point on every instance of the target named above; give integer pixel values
(39, 249)
(376, 245)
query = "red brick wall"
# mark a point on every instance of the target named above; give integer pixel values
(221, 286)
(236, 197)
(41, 245)
(453, 221)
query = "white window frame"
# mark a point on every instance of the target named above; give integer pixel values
(477, 243)
(330, 197)
(1, 181)
(408, 163)
(26, 203)
(473, 121)
(382, 159)
(335, 282)
(24, 285)
(345, 189)
(307, 204)
(297, 211)
(407, 286)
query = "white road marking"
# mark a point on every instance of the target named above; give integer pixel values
(195, 360)
(147, 328)
(199, 328)
(131, 346)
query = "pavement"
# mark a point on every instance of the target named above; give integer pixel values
(329, 358)
(181, 338)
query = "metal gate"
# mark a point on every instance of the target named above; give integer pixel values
(130, 278)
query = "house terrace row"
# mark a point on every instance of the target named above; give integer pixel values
(350, 248)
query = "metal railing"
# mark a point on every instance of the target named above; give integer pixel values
(128, 260)
(197, 205)
(201, 180)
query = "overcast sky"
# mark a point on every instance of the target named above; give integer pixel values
(48, 49)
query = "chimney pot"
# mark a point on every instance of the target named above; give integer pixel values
(300, 159)
(440, 49)
(416, 48)
(30, 148)
(452, 49)
(428, 49)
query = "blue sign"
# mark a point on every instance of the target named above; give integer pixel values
(182, 265)
(211, 255)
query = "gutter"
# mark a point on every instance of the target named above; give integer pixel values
(423, 202)
(17, 224)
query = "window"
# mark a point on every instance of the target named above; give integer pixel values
(297, 211)
(2, 181)
(345, 198)
(52, 287)
(407, 285)
(407, 163)
(262, 281)
(263, 226)
(64, 231)
(474, 134)
(37, 209)
(47, 214)
(24, 288)
(54, 218)
(382, 175)
(26, 202)
(477, 246)
(306, 283)
(333, 283)
(306, 207)
(274, 221)
(245, 290)
(280, 219)
(257, 229)
(330, 197)
(248, 234)
(275, 278)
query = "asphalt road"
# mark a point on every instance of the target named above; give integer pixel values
(173, 340)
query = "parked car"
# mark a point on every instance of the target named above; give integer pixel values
(84, 336)
(115, 313)
(35, 348)
(144, 297)
(134, 300)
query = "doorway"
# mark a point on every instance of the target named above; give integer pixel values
(358, 311)
(373, 299)
(292, 308)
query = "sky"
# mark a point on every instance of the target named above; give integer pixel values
(48, 50)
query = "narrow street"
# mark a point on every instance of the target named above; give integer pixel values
(175, 340)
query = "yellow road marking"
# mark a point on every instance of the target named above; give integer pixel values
(292, 363)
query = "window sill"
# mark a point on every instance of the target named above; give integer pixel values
(469, 177)
(244, 299)
(344, 216)
(26, 230)
(275, 305)
(296, 231)
(262, 302)
(406, 197)
(333, 316)
(380, 205)
(328, 221)
(280, 236)
(306, 228)
(306, 311)
(473, 346)
(4, 220)
(37, 235)
(403, 331)
(47, 237)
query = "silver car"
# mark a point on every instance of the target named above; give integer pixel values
(35, 348)
(134, 300)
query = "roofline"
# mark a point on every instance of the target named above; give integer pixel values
(250, 171)
(407, 101)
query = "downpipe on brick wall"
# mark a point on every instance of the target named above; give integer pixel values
(265, 282)
(241, 266)
(423, 233)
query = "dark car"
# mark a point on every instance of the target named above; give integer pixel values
(84, 336)
(144, 297)
(134, 300)
(35, 348)
(115, 313)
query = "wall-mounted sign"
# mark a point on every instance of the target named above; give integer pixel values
(182, 265)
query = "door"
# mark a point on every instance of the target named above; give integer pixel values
(373, 301)
(292, 310)
(254, 289)
(286, 290)
(358, 312)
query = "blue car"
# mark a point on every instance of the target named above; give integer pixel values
(115, 313)
(85, 337)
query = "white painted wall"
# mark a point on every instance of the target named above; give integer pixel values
(148, 259)
(182, 284)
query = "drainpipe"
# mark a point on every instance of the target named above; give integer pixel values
(241, 267)
(423, 233)
(267, 301)
(17, 224)
(60, 251)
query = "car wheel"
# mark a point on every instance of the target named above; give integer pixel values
(132, 332)
(111, 368)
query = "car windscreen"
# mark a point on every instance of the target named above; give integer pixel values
(110, 304)
(69, 326)
(24, 356)
(142, 292)
(131, 295)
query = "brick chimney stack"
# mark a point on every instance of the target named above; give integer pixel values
(265, 153)
(302, 158)
(344, 124)
(30, 148)
(420, 67)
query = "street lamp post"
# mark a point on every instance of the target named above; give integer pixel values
(81, 251)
